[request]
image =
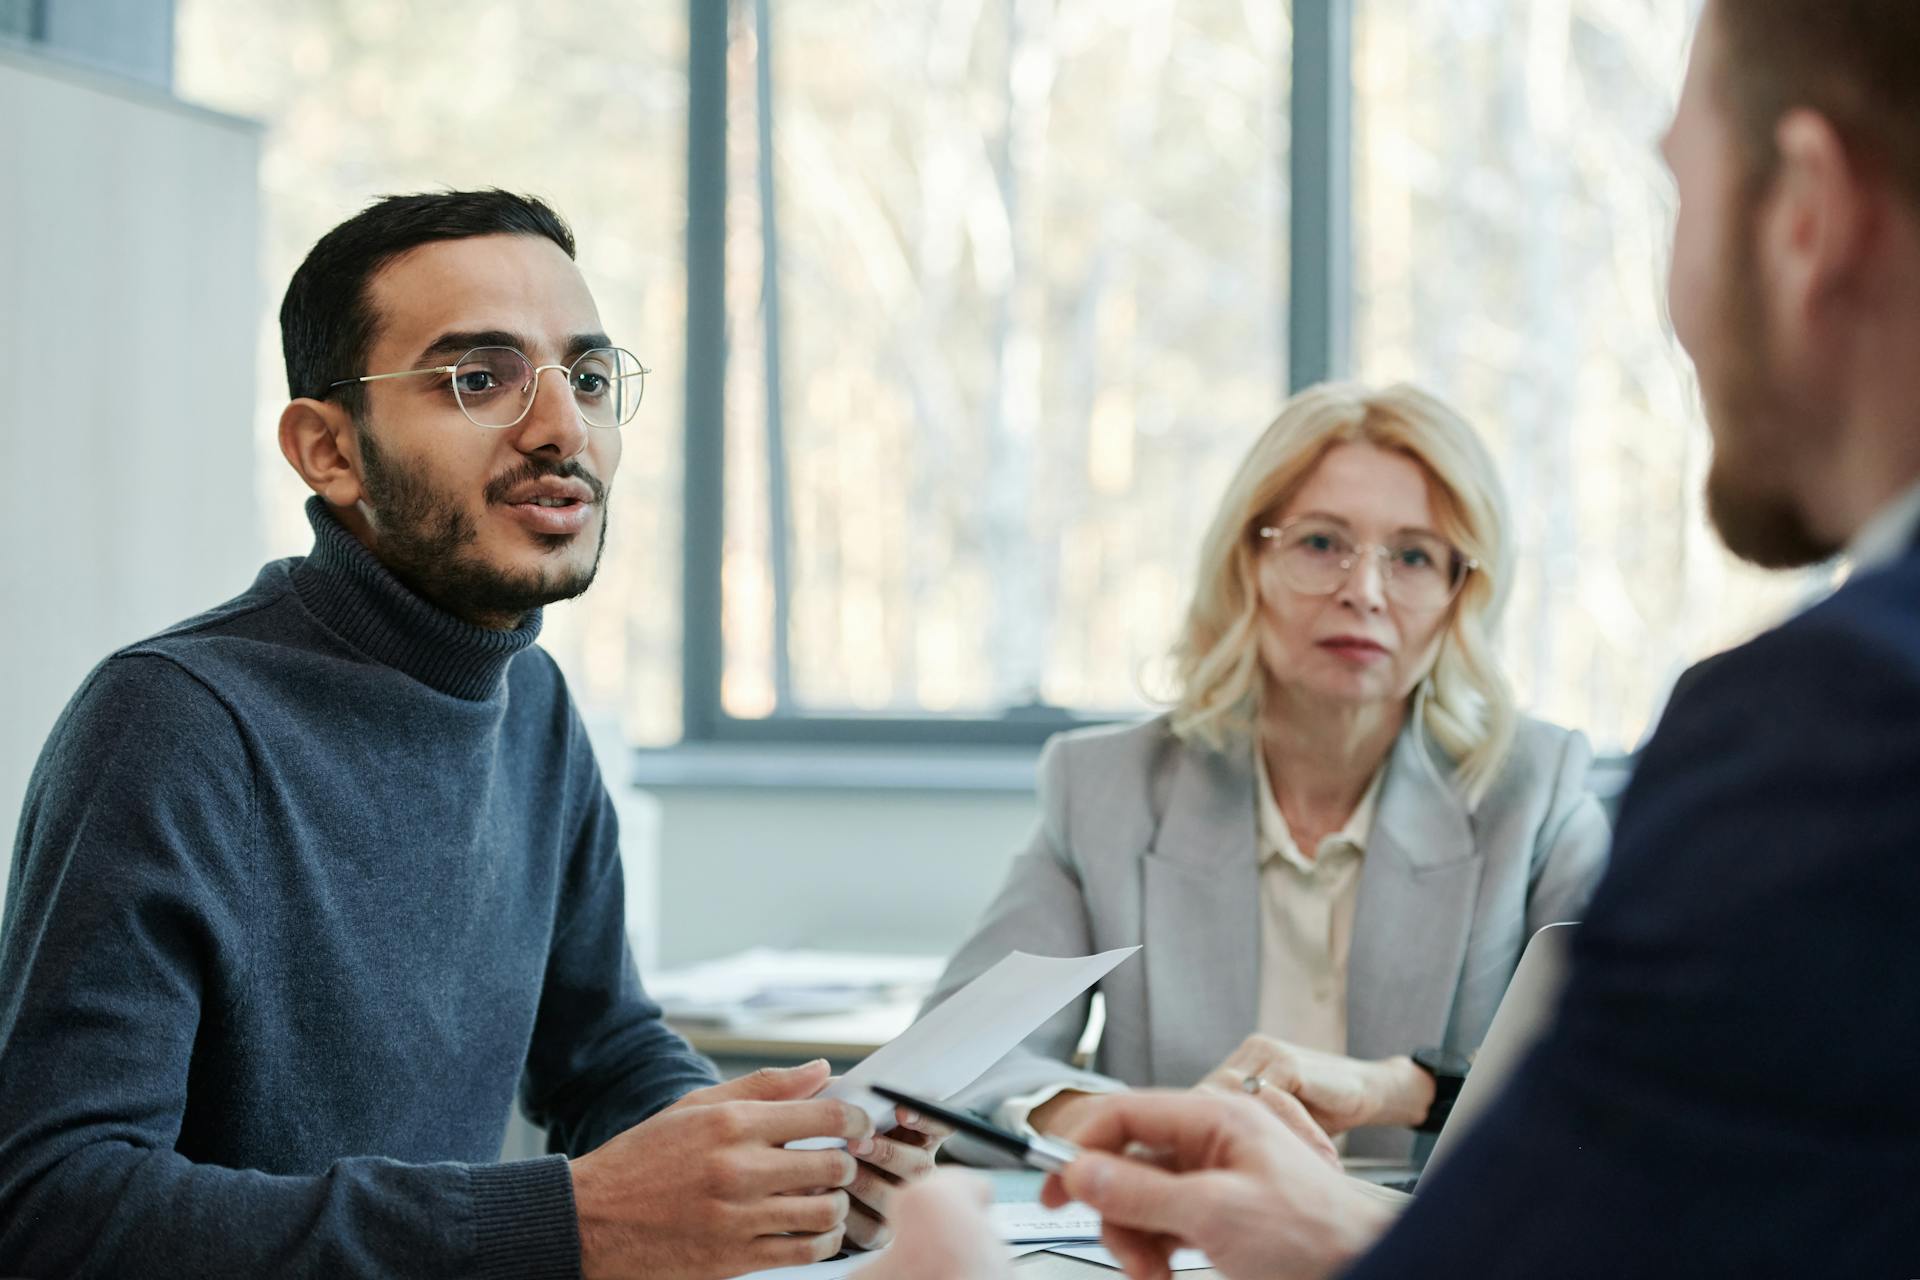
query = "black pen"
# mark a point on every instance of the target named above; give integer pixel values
(1049, 1155)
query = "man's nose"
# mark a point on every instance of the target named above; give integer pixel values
(553, 421)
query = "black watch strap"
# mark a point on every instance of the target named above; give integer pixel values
(1449, 1072)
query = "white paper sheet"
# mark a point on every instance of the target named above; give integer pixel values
(837, 1268)
(968, 1032)
(1030, 1222)
(1183, 1259)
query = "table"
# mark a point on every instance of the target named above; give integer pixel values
(1051, 1266)
(1024, 1185)
(841, 1038)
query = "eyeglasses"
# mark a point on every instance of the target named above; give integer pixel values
(495, 386)
(1417, 571)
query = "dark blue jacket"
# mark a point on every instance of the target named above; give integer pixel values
(1732, 1085)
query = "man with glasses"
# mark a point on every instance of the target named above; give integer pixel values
(306, 886)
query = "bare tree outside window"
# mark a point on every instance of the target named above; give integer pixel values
(1006, 297)
(1031, 271)
(1512, 222)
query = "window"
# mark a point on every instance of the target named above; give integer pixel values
(964, 312)
(1006, 294)
(1511, 227)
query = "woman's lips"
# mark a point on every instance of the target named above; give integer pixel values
(1354, 648)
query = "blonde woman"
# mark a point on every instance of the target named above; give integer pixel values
(1337, 842)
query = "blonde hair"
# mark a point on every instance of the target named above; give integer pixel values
(1468, 708)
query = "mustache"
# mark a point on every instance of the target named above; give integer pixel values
(501, 486)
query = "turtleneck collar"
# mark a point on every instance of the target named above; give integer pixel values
(355, 596)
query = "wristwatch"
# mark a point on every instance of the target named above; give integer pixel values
(1449, 1072)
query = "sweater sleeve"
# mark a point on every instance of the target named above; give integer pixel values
(125, 936)
(602, 1060)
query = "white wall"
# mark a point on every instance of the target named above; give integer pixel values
(129, 293)
(842, 869)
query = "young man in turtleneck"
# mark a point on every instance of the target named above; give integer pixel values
(306, 886)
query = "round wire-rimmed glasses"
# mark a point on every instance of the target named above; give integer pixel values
(495, 386)
(1418, 571)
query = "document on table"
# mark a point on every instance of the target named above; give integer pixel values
(766, 983)
(1183, 1259)
(975, 1027)
(835, 1268)
(1029, 1222)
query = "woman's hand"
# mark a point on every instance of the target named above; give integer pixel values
(1338, 1092)
(887, 1164)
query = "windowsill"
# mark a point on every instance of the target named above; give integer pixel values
(980, 770)
(753, 766)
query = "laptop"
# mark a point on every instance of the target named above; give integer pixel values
(1524, 1012)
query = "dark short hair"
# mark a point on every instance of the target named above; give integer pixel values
(1853, 61)
(327, 321)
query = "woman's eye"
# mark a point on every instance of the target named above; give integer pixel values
(1415, 558)
(1317, 542)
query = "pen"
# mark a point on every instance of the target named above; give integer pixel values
(1049, 1155)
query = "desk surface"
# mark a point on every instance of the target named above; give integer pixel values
(1024, 1185)
(837, 1036)
(841, 1038)
(1051, 1266)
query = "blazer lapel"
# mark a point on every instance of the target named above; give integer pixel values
(1201, 914)
(1418, 884)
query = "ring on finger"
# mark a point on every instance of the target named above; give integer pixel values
(1253, 1084)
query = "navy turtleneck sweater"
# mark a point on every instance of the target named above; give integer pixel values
(304, 888)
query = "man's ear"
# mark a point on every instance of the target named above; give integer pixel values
(1819, 225)
(319, 442)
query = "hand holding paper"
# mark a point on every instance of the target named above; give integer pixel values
(955, 1043)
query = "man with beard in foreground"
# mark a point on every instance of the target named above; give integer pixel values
(1728, 1088)
(306, 886)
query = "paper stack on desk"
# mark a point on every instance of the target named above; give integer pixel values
(1034, 1223)
(766, 983)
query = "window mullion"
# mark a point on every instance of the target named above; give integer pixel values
(778, 530)
(1320, 158)
(703, 517)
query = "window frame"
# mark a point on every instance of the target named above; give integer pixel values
(1318, 345)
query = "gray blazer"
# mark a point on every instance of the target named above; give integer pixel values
(1145, 839)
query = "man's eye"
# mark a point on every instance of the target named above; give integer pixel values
(474, 381)
(592, 384)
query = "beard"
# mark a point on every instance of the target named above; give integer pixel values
(427, 540)
(1759, 439)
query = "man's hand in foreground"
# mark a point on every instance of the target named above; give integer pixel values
(1226, 1177)
(706, 1189)
(942, 1232)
